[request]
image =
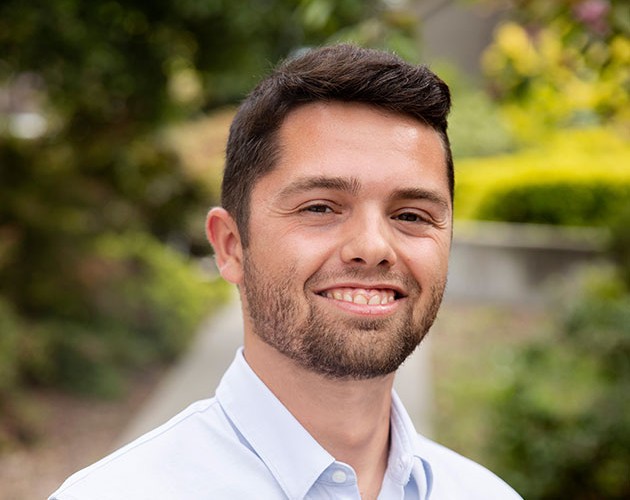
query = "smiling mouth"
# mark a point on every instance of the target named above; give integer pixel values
(362, 296)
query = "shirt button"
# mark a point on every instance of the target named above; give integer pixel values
(339, 476)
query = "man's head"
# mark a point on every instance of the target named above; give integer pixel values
(337, 213)
(343, 73)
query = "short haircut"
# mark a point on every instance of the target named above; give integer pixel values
(343, 72)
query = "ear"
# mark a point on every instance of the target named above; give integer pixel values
(222, 232)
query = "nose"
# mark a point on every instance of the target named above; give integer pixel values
(368, 242)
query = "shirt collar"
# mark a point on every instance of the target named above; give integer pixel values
(292, 455)
(405, 455)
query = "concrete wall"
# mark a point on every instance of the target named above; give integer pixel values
(513, 263)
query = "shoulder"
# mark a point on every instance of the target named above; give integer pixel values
(455, 476)
(197, 450)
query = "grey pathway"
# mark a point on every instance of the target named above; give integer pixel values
(199, 371)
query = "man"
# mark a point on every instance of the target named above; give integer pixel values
(335, 225)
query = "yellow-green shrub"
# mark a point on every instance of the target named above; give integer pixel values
(546, 183)
(560, 66)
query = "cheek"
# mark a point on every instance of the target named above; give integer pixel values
(296, 254)
(428, 262)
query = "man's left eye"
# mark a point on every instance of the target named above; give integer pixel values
(410, 217)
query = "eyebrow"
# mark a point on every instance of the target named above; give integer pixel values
(347, 184)
(352, 185)
(420, 194)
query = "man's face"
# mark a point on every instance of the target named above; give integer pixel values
(349, 240)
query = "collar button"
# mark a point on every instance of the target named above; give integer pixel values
(339, 476)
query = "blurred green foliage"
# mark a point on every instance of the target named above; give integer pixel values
(561, 63)
(567, 203)
(138, 61)
(561, 427)
(619, 243)
(141, 303)
(94, 197)
(476, 127)
(575, 177)
(11, 330)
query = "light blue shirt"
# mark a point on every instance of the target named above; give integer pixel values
(244, 444)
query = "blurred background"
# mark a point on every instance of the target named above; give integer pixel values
(113, 119)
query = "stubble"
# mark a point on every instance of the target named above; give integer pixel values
(354, 348)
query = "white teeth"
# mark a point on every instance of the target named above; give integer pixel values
(372, 297)
(374, 300)
(360, 299)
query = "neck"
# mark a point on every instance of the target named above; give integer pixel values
(348, 418)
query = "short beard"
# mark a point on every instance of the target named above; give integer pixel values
(353, 349)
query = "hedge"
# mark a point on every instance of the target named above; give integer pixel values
(579, 177)
(568, 203)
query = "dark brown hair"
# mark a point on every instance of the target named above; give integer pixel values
(335, 73)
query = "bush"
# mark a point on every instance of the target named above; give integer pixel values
(561, 63)
(619, 245)
(10, 331)
(561, 428)
(18, 421)
(142, 303)
(134, 302)
(476, 126)
(128, 303)
(566, 180)
(566, 203)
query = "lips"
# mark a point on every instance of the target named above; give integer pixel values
(362, 296)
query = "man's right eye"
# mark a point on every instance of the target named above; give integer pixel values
(319, 208)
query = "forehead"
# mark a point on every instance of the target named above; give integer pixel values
(340, 121)
(360, 141)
